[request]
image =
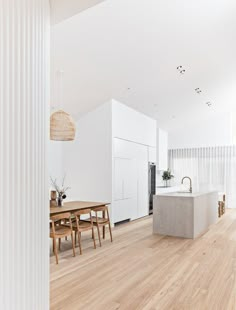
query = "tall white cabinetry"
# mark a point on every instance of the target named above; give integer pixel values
(130, 180)
(109, 160)
(124, 189)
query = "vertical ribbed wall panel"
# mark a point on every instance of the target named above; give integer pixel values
(24, 264)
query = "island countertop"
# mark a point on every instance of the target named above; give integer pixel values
(185, 194)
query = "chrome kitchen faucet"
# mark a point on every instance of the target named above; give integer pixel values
(182, 182)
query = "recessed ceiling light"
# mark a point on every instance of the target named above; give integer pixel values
(181, 69)
(198, 90)
(209, 104)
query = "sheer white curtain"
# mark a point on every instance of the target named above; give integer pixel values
(210, 168)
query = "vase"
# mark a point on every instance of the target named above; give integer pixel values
(60, 201)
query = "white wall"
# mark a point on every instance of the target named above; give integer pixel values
(24, 117)
(132, 125)
(216, 131)
(87, 161)
(162, 149)
(234, 127)
(55, 164)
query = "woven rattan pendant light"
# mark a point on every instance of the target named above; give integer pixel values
(62, 126)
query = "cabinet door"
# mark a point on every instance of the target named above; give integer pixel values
(123, 210)
(124, 179)
(118, 178)
(129, 180)
(142, 192)
(152, 154)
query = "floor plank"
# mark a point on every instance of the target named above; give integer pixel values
(143, 271)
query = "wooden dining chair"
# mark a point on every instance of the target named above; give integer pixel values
(224, 203)
(80, 226)
(221, 206)
(102, 221)
(58, 231)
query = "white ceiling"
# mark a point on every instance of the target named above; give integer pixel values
(63, 9)
(129, 50)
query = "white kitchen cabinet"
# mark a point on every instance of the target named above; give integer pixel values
(123, 210)
(124, 178)
(125, 190)
(130, 180)
(152, 154)
(142, 188)
(102, 164)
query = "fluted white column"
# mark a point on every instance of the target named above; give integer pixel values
(24, 264)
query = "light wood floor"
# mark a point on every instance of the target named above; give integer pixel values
(144, 271)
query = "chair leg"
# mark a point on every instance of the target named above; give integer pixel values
(79, 239)
(103, 231)
(75, 238)
(59, 244)
(55, 249)
(99, 237)
(109, 224)
(66, 238)
(93, 235)
(73, 244)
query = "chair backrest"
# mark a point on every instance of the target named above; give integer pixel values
(60, 216)
(77, 215)
(82, 212)
(102, 209)
(99, 209)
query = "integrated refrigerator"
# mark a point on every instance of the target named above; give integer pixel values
(151, 184)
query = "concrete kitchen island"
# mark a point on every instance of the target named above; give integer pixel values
(186, 215)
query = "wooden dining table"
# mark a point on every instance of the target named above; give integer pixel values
(73, 206)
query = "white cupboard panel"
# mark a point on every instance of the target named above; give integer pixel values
(130, 176)
(142, 191)
(152, 154)
(124, 179)
(118, 178)
(128, 149)
(123, 210)
(130, 180)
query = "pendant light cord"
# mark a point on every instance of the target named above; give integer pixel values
(61, 92)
